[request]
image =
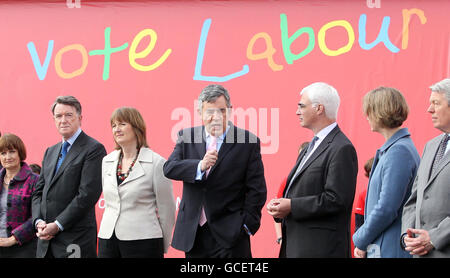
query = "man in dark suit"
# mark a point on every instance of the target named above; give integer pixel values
(63, 203)
(224, 188)
(318, 198)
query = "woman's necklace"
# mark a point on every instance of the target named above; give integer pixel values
(123, 176)
(5, 183)
(6, 180)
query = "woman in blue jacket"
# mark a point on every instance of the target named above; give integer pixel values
(393, 172)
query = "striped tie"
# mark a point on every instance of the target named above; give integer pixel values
(440, 153)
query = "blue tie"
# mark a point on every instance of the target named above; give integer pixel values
(63, 154)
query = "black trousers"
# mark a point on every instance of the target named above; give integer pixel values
(359, 221)
(206, 246)
(144, 248)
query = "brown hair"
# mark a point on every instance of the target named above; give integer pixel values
(67, 100)
(302, 146)
(368, 167)
(387, 106)
(133, 117)
(10, 141)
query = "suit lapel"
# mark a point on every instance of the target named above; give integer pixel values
(135, 173)
(53, 156)
(320, 149)
(444, 161)
(229, 141)
(297, 164)
(74, 151)
(111, 162)
(374, 164)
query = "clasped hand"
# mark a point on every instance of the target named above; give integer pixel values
(279, 208)
(418, 242)
(46, 231)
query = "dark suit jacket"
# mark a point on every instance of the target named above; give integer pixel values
(69, 196)
(321, 201)
(232, 195)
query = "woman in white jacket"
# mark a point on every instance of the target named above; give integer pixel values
(139, 205)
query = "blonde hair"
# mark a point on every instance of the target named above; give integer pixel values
(133, 117)
(387, 106)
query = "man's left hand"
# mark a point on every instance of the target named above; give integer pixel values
(49, 232)
(418, 242)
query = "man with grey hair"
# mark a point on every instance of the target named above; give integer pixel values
(426, 214)
(224, 188)
(315, 210)
(63, 203)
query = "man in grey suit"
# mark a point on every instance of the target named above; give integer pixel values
(63, 203)
(426, 214)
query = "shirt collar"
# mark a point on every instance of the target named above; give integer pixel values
(394, 138)
(324, 131)
(24, 172)
(74, 137)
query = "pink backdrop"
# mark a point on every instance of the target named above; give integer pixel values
(200, 42)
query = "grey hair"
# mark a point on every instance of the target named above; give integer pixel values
(322, 93)
(67, 100)
(211, 93)
(442, 87)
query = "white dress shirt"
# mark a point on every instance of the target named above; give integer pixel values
(321, 135)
